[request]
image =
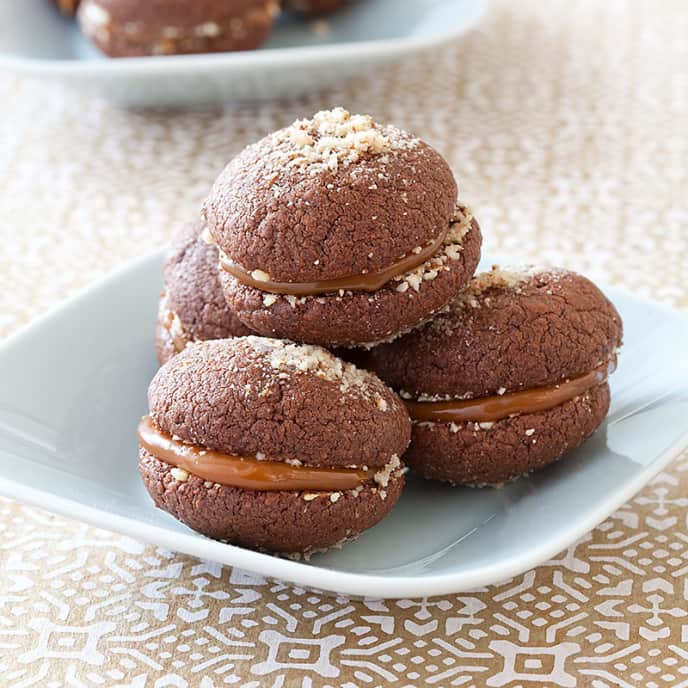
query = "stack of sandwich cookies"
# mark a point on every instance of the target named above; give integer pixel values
(129, 28)
(338, 231)
(193, 306)
(272, 445)
(507, 381)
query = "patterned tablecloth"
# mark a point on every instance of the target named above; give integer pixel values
(566, 123)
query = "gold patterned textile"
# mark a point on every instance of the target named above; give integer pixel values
(567, 126)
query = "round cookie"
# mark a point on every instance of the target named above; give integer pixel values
(337, 231)
(318, 441)
(509, 379)
(192, 307)
(129, 28)
(313, 8)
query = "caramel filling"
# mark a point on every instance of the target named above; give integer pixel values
(368, 282)
(493, 408)
(250, 474)
(67, 6)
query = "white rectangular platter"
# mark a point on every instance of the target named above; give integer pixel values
(73, 387)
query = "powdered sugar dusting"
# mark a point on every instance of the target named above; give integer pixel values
(391, 469)
(477, 293)
(509, 277)
(171, 322)
(287, 358)
(94, 15)
(449, 251)
(329, 140)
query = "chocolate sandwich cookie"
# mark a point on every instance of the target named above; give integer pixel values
(338, 231)
(129, 28)
(509, 379)
(272, 445)
(193, 306)
(313, 8)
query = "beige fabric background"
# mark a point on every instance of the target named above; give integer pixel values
(566, 123)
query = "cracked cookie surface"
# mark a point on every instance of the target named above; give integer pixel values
(252, 395)
(510, 331)
(275, 401)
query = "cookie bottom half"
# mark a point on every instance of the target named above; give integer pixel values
(360, 318)
(140, 38)
(281, 522)
(494, 453)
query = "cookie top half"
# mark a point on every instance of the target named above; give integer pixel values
(271, 399)
(511, 329)
(330, 197)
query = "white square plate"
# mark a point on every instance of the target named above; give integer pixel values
(73, 386)
(36, 40)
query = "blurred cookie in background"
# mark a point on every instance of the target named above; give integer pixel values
(129, 28)
(313, 8)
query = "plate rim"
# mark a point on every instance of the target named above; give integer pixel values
(369, 586)
(311, 575)
(387, 48)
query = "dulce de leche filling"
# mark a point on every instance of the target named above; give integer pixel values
(497, 407)
(250, 474)
(368, 282)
